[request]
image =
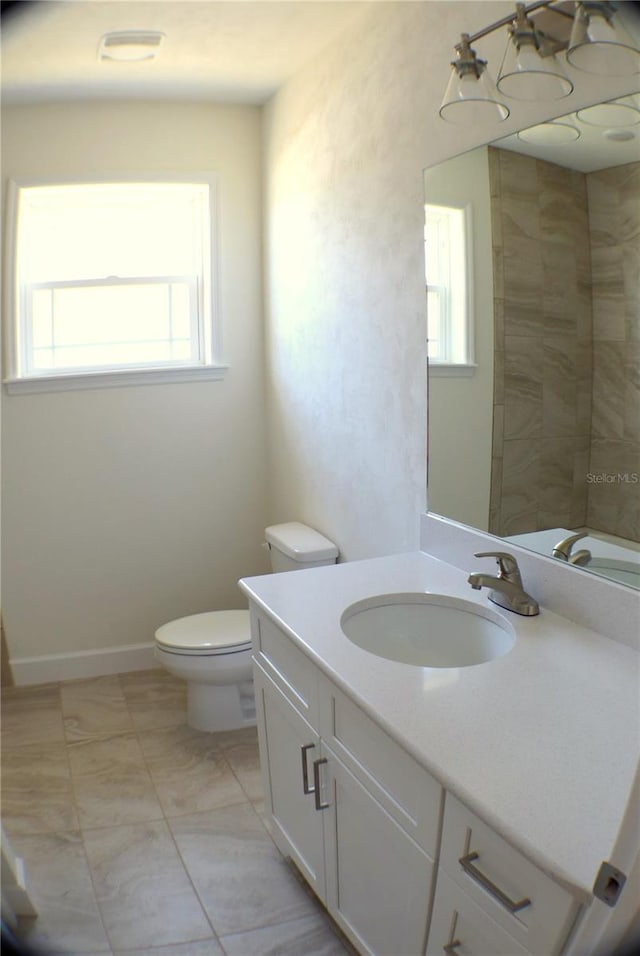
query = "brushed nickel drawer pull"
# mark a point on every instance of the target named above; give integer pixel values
(450, 948)
(316, 783)
(305, 773)
(513, 906)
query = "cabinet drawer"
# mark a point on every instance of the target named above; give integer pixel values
(533, 908)
(289, 668)
(460, 928)
(405, 789)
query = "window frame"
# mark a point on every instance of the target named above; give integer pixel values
(466, 367)
(212, 367)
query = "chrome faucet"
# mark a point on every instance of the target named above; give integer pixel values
(507, 590)
(563, 550)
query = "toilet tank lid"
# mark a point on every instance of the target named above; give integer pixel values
(300, 542)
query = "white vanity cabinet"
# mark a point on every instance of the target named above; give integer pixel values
(358, 816)
(364, 822)
(537, 797)
(490, 900)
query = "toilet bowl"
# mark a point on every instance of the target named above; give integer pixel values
(212, 651)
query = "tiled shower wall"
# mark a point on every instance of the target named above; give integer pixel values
(548, 345)
(542, 403)
(614, 216)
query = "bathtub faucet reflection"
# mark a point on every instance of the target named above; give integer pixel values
(562, 550)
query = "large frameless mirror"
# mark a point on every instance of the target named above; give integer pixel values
(534, 422)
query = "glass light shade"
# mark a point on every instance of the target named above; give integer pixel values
(550, 134)
(525, 75)
(618, 113)
(599, 45)
(469, 98)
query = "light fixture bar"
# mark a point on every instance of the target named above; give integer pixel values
(505, 21)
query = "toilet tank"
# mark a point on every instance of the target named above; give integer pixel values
(294, 545)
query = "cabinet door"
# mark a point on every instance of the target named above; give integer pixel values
(288, 747)
(378, 879)
(460, 928)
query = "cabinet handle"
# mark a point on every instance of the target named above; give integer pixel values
(450, 948)
(316, 783)
(305, 773)
(513, 906)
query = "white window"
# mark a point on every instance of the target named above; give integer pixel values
(449, 291)
(112, 283)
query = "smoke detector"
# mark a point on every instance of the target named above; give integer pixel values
(130, 46)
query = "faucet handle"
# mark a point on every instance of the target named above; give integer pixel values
(506, 562)
(563, 548)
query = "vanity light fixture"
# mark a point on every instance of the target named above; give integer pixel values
(598, 44)
(470, 90)
(530, 70)
(130, 46)
(590, 32)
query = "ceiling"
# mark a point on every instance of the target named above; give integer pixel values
(597, 147)
(234, 51)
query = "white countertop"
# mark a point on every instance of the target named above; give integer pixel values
(542, 743)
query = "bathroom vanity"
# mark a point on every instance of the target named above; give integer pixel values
(440, 809)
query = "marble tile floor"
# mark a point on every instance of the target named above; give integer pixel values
(141, 836)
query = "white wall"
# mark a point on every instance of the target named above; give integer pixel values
(461, 410)
(127, 507)
(346, 308)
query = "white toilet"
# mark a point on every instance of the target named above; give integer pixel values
(212, 651)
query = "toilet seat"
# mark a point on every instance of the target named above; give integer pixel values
(212, 634)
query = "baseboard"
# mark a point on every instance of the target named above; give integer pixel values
(78, 664)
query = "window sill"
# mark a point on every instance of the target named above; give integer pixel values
(120, 379)
(445, 370)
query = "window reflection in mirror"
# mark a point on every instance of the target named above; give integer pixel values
(449, 287)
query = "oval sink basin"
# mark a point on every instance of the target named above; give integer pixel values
(428, 630)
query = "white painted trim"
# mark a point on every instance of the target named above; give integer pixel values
(9, 273)
(448, 369)
(77, 664)
(122, 379)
